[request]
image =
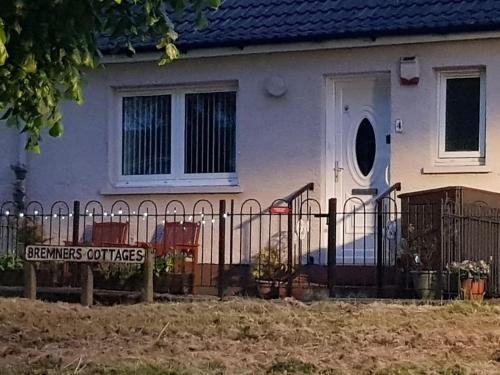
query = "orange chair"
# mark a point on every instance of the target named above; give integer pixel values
(106, 234)
(103, 234)
(109, 234)
(179, 237)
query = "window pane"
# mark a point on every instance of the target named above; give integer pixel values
(462, 114)
(146, 135)
(210, 145)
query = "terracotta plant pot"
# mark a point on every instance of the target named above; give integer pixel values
(473, 289)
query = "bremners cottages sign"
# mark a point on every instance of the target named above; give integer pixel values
(86, 256)
(44, 253)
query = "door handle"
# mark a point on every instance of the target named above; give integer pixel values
(338, 169)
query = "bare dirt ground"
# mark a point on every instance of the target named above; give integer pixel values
(248, 337)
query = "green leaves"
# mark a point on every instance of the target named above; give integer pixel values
(170, 51)
(10, 262)
(46, 46)
(3, 41)
(3, 54)
(201, 21)
(29, 65)
(57, 130)
(214, 3)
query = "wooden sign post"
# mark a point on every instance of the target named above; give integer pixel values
(29, 280)
(87, 285)
(87, 255)
(149, 264)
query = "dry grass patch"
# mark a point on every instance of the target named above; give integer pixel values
(249, 337)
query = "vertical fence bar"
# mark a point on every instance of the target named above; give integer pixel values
(231, 233)
(76, 222)
(75, 233)
(222, 247)
(445, 284)
(332, 244)
(380, 264)
(289, 250)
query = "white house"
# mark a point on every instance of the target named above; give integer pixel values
(351, 96)
(276, 94)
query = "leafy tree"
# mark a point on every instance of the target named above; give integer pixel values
(46, 45)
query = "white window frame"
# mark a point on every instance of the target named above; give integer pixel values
(177, 177)
(461, 156)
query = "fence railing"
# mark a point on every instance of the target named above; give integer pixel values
(471, 232)
(237, 245)
(233, 245)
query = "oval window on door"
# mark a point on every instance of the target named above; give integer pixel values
(365, 147)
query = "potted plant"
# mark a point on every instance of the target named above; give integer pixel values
(472, 276)
(170, 274)
(11, 270)
(269, 270)
(418, 258)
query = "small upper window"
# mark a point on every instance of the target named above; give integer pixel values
(462, 115)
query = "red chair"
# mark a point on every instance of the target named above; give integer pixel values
(103, 234)
(109, 234)
(177, 238)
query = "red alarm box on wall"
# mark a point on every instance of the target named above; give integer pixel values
(409, 71)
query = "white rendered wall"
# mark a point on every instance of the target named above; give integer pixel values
(280, 141)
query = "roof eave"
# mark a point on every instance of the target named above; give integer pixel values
(373, 35)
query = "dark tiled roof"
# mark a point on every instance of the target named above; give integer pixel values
(250, 22)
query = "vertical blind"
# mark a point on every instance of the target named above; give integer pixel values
(146, 135)
(210, 142)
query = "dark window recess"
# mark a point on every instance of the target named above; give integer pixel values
(462, 114)
(365, 147)
(146, 135)
(210, 142)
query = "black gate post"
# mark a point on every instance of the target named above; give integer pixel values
(222, 247)
(332, 244)
(76, 222)
(380, 263)
(289, 251)
(74, 239)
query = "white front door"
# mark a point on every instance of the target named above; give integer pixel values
(361, 163)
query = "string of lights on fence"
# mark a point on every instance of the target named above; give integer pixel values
(145, 215)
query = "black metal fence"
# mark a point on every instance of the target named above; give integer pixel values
(289, 247)
(242, 247)
(471, 232)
